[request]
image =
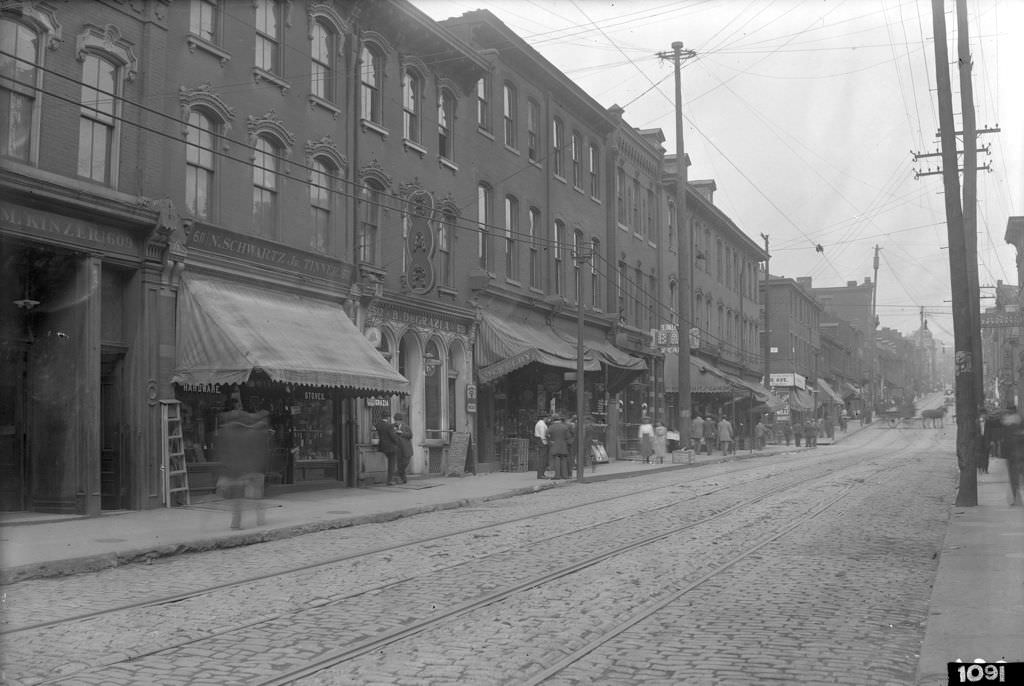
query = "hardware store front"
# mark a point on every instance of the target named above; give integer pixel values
(301, 361)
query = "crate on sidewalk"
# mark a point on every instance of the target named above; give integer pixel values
(684, 456)
(515, 455)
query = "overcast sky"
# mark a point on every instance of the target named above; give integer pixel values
(805, 115)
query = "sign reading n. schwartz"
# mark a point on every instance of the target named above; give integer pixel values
(218, 241)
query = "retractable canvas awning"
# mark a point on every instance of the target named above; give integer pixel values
(704, 376)
(620, 367)
(827, 389)
(849, 390)
(504, 344)
(228, 330)
(799, 399)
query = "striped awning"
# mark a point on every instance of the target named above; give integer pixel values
(827, 390)
(226, 331)
(505, 344)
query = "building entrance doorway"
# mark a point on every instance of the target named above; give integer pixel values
(13, 449)
(113, 490)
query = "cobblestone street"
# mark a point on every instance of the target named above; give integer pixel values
(811, 567)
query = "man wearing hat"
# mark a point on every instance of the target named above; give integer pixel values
(560, 436)
(404, 452)
(387, 442)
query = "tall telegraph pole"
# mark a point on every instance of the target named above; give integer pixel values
(965, 366)
(766, 344)
(683, 290)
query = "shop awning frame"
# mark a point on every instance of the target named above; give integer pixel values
(504, 345)
(827, 389)
(227, 330)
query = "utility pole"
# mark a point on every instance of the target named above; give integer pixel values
(766, 344)
(874, 387)
(965, 366)
(683, 290)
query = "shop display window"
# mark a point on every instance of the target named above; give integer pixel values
(313, 430)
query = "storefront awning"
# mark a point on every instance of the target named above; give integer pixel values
(849, 390)
(227, 330)
(799, 399)
(620, 367)
(707, 378)
(504, 344)
(827, 389)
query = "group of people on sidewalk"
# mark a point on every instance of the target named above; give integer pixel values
(554, 438)
(706, 434)
(395, 441)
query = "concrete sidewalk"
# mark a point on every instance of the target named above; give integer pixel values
(977, 604)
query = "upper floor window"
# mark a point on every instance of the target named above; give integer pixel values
(595, 275)
(559, 257)
(577, 160)
(199, 164)
(371, 199)
(321, 201)
(620, 195)
(558, 146)
(511, 108)
(511, 238)
(445, 236)
(18, 76)
(445, 120)
(204, 20)
(264, 187)
(98, 125)
(372, 77)
(323, 51)
(634, 205)
(719, 257)
(638, 297)
(672, 226)
(649, 218)
(412, 91)
(268, 36)
(485, 218)
(483, 103)
(535, 227)
(532, 129)
(622, 302)
(594, 168)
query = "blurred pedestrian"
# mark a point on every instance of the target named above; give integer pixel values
(540, 440)
(810, 433)
(387, 443)
(1013, 452)
(798, 433)
(403, 454)
(725, 435)
(646, 435)
(787, 432)
(660, 442)
(760, 434)
(242, 450)
(696, 433)
(710, 433)
(560, 437)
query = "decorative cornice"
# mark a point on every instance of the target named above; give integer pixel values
(203, 96)
(323, 10)
(375, 171)
(326, 147)
(107, 40)
(272, 124)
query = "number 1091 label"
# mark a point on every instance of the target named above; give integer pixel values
(985, 673)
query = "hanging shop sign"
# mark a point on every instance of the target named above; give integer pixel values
(471, 399)
(787, 380)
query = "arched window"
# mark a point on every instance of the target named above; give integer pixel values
(445, 123)
(323, 180)
(576, 150)
(199, 164)
(412, 91)
(595, 278)
(18, 76)
(371, 197)
(434, 384)
(594, 163)
(98, 125)
(511, 238)
(510, 112)
(558, 146)
(483, 103)
(485, 218)
(533, 130)
(558, 272)
(324, 56)
(535, 238)
(445, 236)
(577, 253)
(264, 191)
(372, 82)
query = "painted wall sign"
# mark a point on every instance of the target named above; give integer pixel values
(68, 230)
(218, 241)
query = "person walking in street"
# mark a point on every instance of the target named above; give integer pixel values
(540, 440)
(660, 442)
(725, 435)
(696, 433)
(798, 433)
(559, 439)
(710, 433)
(241, 449)
(787, 432)
(646, 435)
(810, 433)
(387, 443)
(404, 452)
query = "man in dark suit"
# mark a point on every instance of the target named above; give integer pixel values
(404, 452)
(560, 437)
(387, 443)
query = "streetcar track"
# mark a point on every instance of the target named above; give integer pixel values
(333, 658)
(180, 597)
